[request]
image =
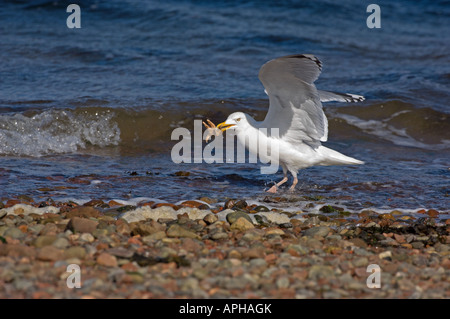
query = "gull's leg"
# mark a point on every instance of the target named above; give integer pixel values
(292, 188)
(274, 188)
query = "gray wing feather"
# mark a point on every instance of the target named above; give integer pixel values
(326, 96)
(295, 106)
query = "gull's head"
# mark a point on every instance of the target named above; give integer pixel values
(235, 121)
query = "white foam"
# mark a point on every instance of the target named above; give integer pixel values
(56, 131)
(138, 200)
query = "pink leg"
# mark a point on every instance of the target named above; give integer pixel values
(273, 189)
(292, 188)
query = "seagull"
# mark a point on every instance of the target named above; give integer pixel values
(295, 110)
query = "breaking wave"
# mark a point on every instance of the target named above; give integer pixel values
(56, 131)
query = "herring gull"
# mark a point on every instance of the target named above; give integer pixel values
(295, 110)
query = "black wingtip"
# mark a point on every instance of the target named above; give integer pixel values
(307, 56)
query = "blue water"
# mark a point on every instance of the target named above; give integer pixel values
(101, 101)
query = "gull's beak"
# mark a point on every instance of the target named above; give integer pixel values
(223, 126)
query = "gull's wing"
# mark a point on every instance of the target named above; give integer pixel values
(295, 107)
(326, 96)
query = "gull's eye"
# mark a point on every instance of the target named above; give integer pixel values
(238, 119)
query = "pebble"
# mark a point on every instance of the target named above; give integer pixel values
(83, 211)
(298, 250)
(98, 233)
(262, 220)
(385, 254)
(50, 253)
(417, 245)
(234, 216)
(155, 236)
(253, 234)
(210, 219)
(219, 235)
(75, 252)
(107, 260)
(234, 254)
(44, 240)
(144, 229)
(321, 231)
(362, 252)
(320, 271)
(35, 229)
(242, 224)
(82, 225)
(178, 231)
(360, 262)
(14, 233)
(86, 237)
(274, 231)
(240, 204)
(282, 282)
(261, 209)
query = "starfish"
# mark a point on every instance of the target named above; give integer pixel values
(211, 129)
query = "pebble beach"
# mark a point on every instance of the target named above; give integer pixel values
(205, 249)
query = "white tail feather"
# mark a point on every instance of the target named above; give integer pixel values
(331, 157)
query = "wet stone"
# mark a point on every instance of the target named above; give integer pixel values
(262, 220)
(321, 231)
(210, 219)
(261, 208)
(229, 204)
(240, 204)
(233, 217)
(242, 224)
(331, 209)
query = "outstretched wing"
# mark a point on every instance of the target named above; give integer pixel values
(295, 107)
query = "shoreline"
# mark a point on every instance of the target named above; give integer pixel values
(189, 250)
